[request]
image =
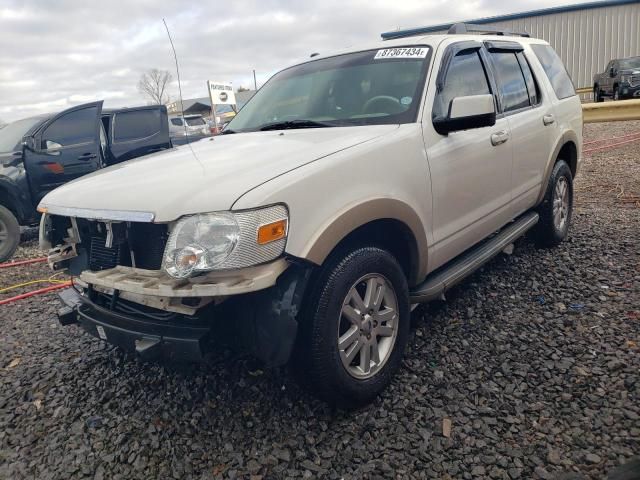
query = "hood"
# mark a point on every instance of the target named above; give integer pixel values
(629, 71)
(208, 175)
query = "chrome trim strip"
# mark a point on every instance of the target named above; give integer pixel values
(94, 214)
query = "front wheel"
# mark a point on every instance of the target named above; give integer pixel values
(616, 94)
(597, 95)
(556, 208)
(353, 336)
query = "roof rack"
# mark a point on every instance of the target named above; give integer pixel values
(462, 28)
(456, 28)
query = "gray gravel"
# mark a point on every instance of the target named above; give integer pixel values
(534, 361)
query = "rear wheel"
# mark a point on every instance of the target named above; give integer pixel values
(9, 234)
(556, 208)
(356, 327)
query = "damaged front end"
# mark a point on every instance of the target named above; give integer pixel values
(122, 295)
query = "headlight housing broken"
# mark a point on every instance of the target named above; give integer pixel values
(223, 241)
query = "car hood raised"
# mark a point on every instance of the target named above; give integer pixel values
(209, 175)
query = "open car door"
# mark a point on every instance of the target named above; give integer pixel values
(65, 147)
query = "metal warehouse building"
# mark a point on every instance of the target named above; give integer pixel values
(585, 35)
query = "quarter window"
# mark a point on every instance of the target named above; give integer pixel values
(511, 81)
(465, 77)
(555, 70)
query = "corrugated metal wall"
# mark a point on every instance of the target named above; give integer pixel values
(586, 39)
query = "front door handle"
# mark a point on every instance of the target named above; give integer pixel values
(499, 138)
(548, 120)
(87, 156)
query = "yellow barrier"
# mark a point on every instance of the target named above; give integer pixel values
(584, 90)
(611, 111)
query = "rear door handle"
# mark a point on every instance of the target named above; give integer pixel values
(87, 156)
(499, 138)
(548, 120)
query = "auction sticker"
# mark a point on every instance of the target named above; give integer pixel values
(403, 52)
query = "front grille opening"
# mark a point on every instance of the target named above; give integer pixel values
(132, 244)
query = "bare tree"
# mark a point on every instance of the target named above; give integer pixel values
(153, 84)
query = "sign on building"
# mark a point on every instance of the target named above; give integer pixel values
(221, 93)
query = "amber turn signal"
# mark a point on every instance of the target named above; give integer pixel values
(42, 209)
(272, 232)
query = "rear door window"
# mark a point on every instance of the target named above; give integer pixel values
(555, 70)
(195, 121)
(136, 125)
(532, 85)
(511, 81)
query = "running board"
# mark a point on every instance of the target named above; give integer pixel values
(444, 278)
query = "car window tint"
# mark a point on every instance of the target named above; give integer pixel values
(532, 85)
(465, 77)
(513, 88)
(138, 124)
(554, 68)
(176, 121)
(195, 121)
(73, 128)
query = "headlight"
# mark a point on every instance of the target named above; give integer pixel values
(625, 78)
(225, 240)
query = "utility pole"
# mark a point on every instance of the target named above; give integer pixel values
(255, 83)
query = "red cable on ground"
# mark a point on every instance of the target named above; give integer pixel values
(23, 262)
(35, 292)
(595, 149)
(609, 139)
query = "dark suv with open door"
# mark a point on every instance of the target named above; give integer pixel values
(41, 153)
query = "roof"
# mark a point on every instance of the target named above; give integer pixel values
(204, 103)
(515, 16)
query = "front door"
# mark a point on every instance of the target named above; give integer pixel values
(64, 148)
(470, 169)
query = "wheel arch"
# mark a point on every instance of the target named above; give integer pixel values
(9, 201)
(389, 223)
(567, 150)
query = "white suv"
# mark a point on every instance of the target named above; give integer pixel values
(351, 187)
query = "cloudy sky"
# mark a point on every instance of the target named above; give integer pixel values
(55, 54)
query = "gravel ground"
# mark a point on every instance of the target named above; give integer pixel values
(529, 370)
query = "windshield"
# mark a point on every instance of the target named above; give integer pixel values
(364, 88)
(630, 63)
(11, 135)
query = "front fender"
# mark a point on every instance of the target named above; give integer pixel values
(15, 195)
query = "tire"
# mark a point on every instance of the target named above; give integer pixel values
(616, 93)
(9, 234)
(553, 228)
(331, 312)
(597, 95)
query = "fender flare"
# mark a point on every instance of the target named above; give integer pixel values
(567, 137)
(329, 236)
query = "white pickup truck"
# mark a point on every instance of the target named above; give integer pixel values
(351, 187)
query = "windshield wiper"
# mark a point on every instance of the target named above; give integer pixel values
(291, 124)
(227, 131)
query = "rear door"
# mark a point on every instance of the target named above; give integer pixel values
(532, 122)
(138, 131)
(65, 147)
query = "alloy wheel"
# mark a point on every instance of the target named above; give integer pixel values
(368, 326)
(561, 204)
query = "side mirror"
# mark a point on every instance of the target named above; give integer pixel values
(29, 143)
(612, 72)
(52, 148)
(474, 111)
